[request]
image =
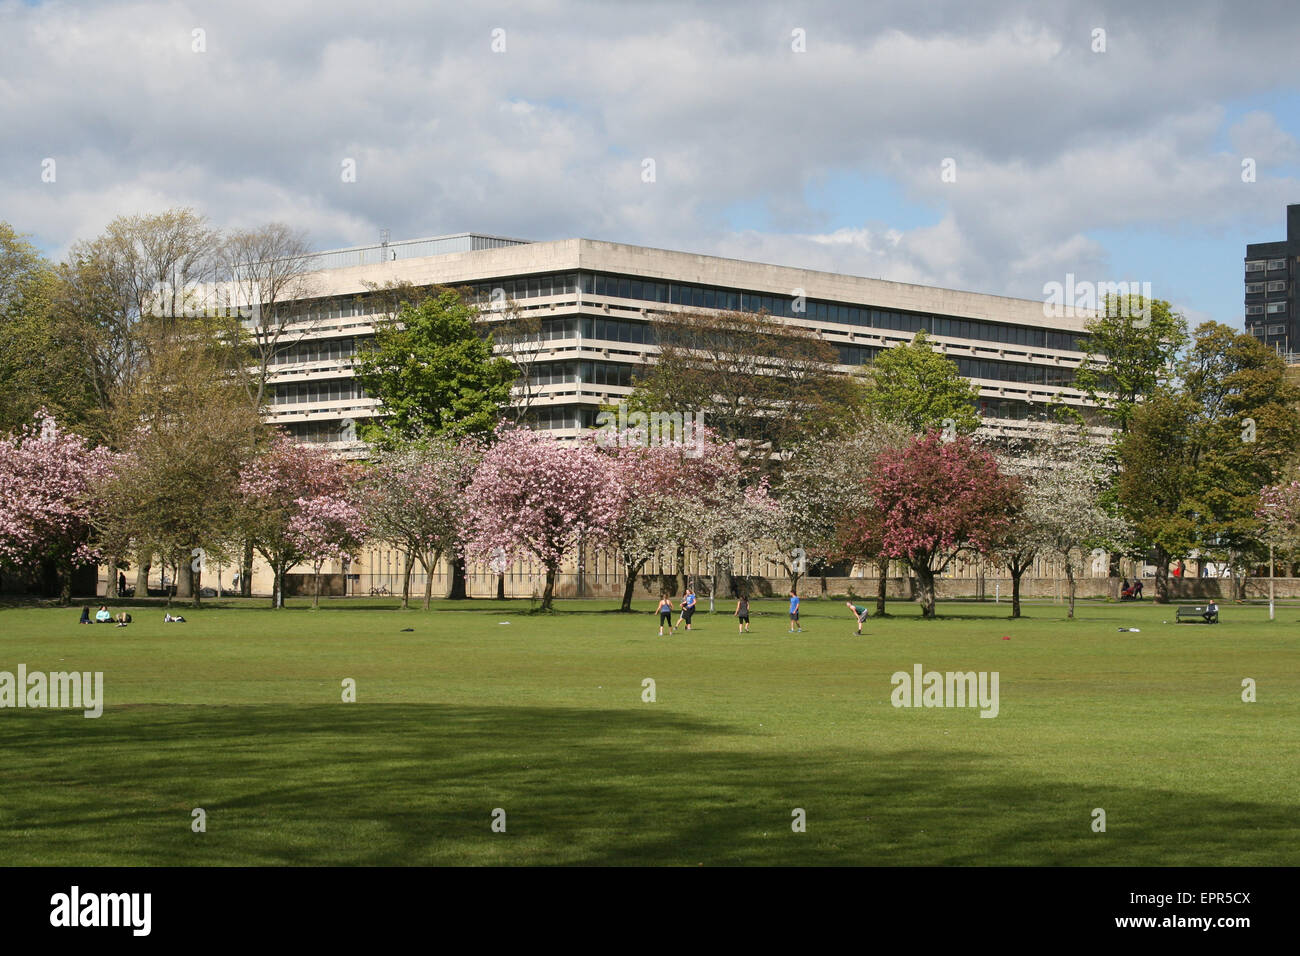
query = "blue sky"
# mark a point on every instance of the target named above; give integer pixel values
(1114, 164)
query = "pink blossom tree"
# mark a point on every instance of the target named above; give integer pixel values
(413, 498)
(936, 499)
(273, 486)
(664, 489)
(533, 496)
(49, 500)
(326, 527)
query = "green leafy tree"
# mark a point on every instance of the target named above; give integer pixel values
(1245, 427)
(916, 387)
(1131, 349)
(1197, 453)
(1157, 474)
(39, 355)
(433, 373)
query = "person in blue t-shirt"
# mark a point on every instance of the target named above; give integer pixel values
(688, 608)
(794, 613)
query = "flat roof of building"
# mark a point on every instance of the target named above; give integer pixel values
(467, 258)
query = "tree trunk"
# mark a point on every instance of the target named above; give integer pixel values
(195, 582)
(1015, 590)
(277, 597)
(406, 579)
(110, 586)
(925, 578)
(1162, 577)
(549, 594)
(315, 592)
(428, 576)
(882, 584)
(630, 571)
(501, 586)
(142, 574)
(459, 592)
(246, 570)
(65, 584)
(184, 586)
(722, 575)
(681, 567)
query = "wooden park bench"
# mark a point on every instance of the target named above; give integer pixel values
(1195, 615)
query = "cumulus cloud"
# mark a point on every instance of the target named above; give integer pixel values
(547, 137)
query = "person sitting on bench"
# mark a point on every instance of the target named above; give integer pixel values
(1211, 614)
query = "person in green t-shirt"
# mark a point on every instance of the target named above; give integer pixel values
(859, 612)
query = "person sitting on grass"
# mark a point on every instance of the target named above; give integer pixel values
(102, 616)
(665, 613)
(169, 618)
(85, 614)
(123, 619)
(859, 612)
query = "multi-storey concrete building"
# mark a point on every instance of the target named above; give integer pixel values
(1272, 313)
(597, 302)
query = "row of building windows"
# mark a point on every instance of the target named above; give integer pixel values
(317, 432)
(977, 368)
(592, 373)
(574, 416)
(499, 293)
(1258, 288)
(1259, 265)
(710, 297)
(1014, 371)
(487, 294)
(1273, 308)
(317, 350)
(562, 416)
(309, 393)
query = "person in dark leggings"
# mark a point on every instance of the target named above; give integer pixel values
(665, 614)
(742, 614)
(688, 608)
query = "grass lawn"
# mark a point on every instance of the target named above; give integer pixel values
(482, 706)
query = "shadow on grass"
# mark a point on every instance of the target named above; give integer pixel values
(397, 784)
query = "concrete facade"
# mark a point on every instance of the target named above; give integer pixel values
(594, 341)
